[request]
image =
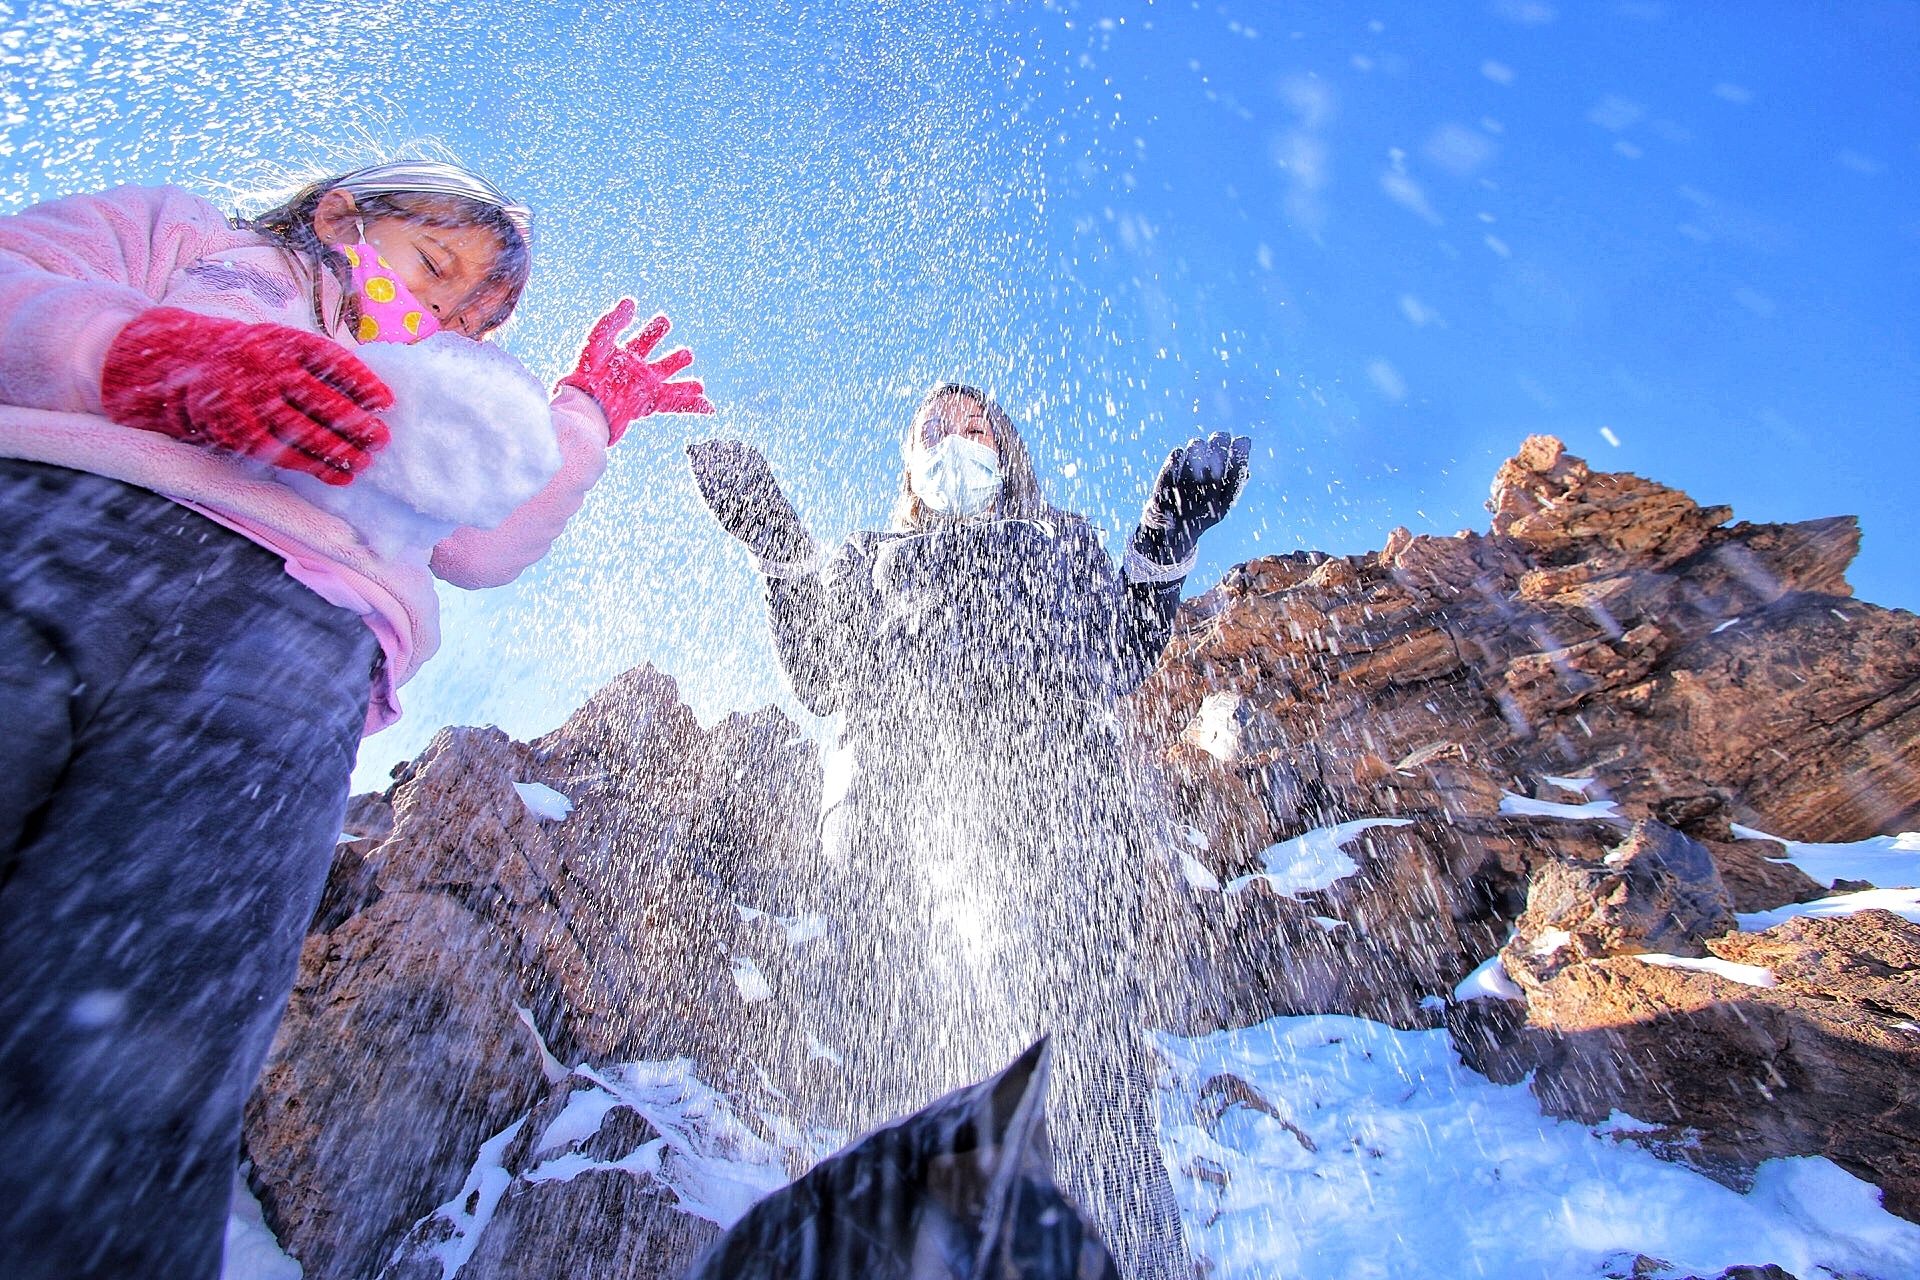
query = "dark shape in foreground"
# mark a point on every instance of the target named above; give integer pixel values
(961, 1190)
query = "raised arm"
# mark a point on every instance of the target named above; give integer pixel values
(1196, 486)
(612, 384)
(809, 628)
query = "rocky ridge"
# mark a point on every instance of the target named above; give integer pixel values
(1570, 714)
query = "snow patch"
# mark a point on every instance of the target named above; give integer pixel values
(252, 1252)
(1215, 728)
(1579, 786)
(1889, 862)
(550, 1066)
(469, 1212)
(1528, 807)
(1550, 941)
(1394, 1160)
(752, 984)
(1198, 874)
(1749, 975)
(1314, 860)
(798, 929)
(715, 1165)
(1902, 902)
(544, 801)
(1488, 981)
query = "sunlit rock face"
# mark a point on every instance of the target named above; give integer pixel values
(1611, 653)
(1566, 717)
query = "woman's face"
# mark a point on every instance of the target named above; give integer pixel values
(956, 414)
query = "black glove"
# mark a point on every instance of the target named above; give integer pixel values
(738, 487)
(1196, 486)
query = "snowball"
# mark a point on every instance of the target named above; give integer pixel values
(472, 440)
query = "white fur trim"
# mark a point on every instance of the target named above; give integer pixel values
(792, 568)
(1137, 568)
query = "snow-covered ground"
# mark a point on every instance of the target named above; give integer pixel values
(1385, 1157)
(1378, 1154)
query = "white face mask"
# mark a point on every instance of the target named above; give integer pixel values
(958, 476)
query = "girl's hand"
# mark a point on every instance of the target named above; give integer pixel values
(624, 383)
(285, 397)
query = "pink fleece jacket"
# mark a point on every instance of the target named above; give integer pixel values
(73, 272)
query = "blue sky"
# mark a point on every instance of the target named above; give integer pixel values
(1387, 241)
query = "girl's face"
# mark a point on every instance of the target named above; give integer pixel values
(955, 414)
(446, 268)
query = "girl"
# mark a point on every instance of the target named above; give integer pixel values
(191, 647)
(994, 872)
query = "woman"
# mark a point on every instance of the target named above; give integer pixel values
(992, 870)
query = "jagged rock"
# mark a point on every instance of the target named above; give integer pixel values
(1657, 892)
(1693, 672)
(1756, 881)
(614, 929)
(400, 1053)
(1819, 1064)
(594, 1220)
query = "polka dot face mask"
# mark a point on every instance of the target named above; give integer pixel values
(388, 310)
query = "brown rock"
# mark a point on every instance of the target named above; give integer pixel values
(400, 1053)
(1657, 892)
(1758, 882)
(1815, 1066)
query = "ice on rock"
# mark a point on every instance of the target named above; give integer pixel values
(472, 439)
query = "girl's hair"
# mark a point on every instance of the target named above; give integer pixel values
(434, 192)
(1019, 497)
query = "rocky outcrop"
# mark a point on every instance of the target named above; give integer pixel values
(1610, 657)
(1800, 1043)
(1565, 716)
(466, 940)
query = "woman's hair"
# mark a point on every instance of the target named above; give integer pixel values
(1019, 497)
(436, 193)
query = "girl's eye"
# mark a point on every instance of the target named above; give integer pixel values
(432, 270)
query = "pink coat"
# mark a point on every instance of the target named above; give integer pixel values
(74, 271)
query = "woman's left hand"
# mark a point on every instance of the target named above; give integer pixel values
(1196, 486)
(624, 383)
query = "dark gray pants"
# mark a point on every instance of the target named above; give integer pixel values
(178, 721)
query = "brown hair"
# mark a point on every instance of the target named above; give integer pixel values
(290, 225)
(1019, 497)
